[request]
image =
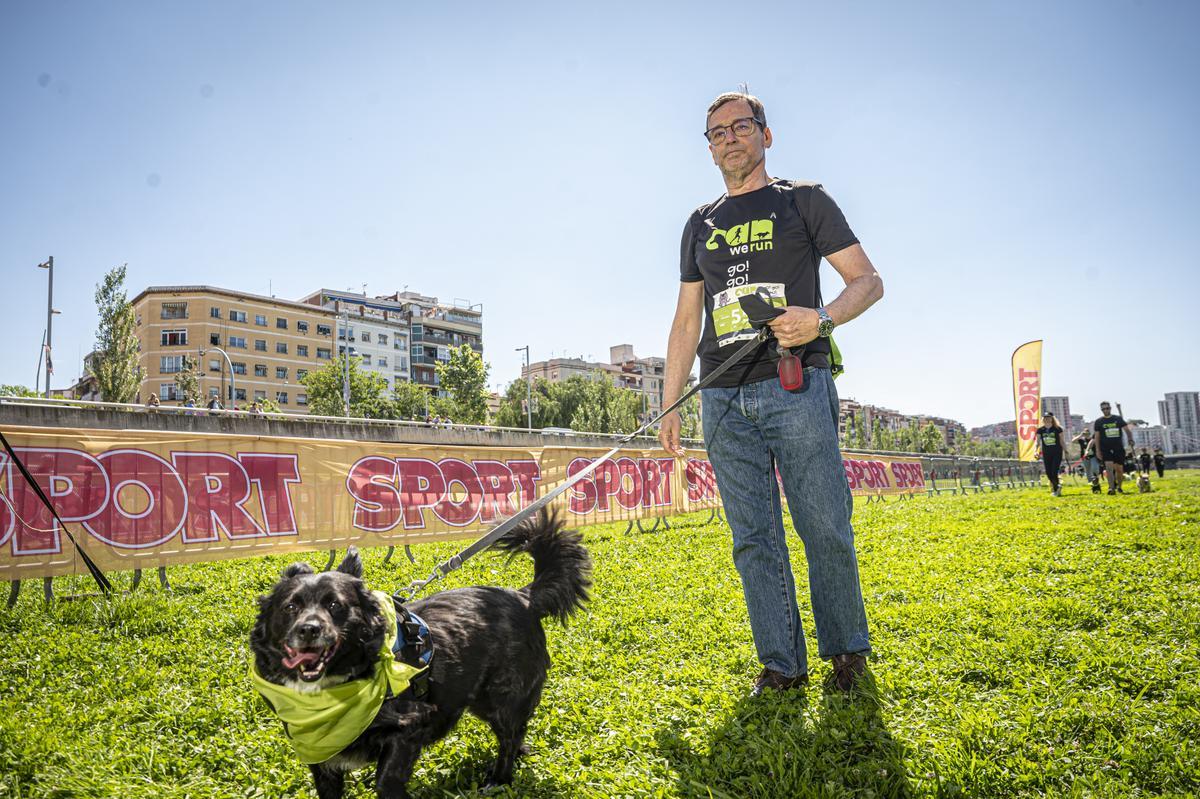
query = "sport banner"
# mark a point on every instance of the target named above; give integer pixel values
(140, 499)
(1027, 395)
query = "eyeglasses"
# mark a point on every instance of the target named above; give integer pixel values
(719, 134)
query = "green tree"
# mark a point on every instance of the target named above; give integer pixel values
(931, 440)
(607, 409)
(14, 390)
(690, 423)
(188, 380)
(883, 438)
(464, 377)
(410, 401)
(367, 397)
(116, 366)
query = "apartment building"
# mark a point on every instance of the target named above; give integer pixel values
(373, 329)
(436, 327)
(270, 344)
(405, 335)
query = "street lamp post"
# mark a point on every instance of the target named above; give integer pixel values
(346, 362)
(232, 389)
(528, 389)
(49, 265)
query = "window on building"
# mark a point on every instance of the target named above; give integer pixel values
(237, 316)
(324, 330)
(323, 354)
(215, 313)
(281, 323)
(366, 360)
(260, 345)
(238, 341)
(300, 373)
(281, 397)
(170, 364)
(215, 364)
(302, 327)
(381, 360)
(281, 347)
(302, 350)
(301, 399)
(260, 370)
(173, 338)
(366, 336)
(239, 368)
(174, 310)
(214, 339)
(239, 394)
(260, 395)
(260, 320)
(281, 373)
(383, 339)
(169, 391)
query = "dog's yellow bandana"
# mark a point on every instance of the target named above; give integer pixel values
(322, 724)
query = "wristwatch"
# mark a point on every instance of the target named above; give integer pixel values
(826, 325)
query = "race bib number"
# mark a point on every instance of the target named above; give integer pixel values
(730, 323)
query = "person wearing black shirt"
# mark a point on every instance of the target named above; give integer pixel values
(768, 236)
(1160, 461)
(1049, 439)
(1107, 436)
(1145, 461)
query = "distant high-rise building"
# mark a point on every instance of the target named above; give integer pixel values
(1180, 411)
(1060, 407)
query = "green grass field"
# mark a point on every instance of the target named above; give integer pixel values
(1024, 646)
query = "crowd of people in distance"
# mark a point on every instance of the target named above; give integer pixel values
(1102, 453)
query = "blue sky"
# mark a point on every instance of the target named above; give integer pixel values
(1015, 170)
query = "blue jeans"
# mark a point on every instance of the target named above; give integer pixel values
(749, 430)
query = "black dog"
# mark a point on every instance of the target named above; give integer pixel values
(315, 631)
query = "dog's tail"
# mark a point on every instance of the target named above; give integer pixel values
(562, 568)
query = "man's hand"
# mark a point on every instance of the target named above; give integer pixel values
(668, 433)
(795, 327)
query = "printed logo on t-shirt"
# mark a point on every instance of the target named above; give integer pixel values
(1112, 431)
(1049, 440)
(753, 236)
(730, 323)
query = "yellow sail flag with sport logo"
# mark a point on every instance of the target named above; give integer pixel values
(1027, 395)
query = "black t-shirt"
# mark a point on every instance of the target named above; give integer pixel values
(1051, 438)
(1159, 458)
(1145, 459)
(1110, 429)
(771, 238)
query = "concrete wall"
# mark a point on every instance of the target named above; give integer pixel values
(174, 421)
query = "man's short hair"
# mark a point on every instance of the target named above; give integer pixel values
(756, 106)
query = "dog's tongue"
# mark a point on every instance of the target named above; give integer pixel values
(296, 657)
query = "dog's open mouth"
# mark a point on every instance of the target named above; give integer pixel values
(309, 663)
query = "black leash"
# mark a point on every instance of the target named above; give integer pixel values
(456, 561)
(97, 575)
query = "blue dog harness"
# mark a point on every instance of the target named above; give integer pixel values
(414, 646)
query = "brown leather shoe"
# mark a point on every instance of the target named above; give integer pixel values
(769, 679)
(847, 669)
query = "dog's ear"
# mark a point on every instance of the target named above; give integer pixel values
(352, 565)
(297, 569)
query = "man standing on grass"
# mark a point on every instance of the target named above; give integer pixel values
(1107, 436)
(770, 234)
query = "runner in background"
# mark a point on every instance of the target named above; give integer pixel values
(1092, 466)
(1144, 460)
(1050, 450)
(1108, 429)
(1160, 461)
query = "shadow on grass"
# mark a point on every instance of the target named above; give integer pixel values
(788, 745)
